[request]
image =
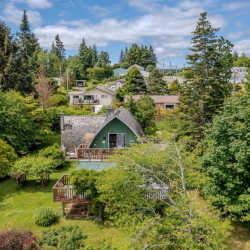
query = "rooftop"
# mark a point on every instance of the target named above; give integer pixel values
(157, 98)
(94, 165)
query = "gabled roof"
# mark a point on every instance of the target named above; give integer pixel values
(127, 118)
(157, 98)
(106, 90)
(136, 66)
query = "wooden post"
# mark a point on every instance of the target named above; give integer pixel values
(89, 153)
(63, 208)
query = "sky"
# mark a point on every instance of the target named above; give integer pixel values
(114, 24)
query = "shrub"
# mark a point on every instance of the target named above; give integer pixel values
(64, 238)
(17, 240)
(44, 217)
(57, 100)
(55, 152)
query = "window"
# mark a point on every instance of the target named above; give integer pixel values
(104, 96)
(117, 140)
(76, 96)
(169, 106)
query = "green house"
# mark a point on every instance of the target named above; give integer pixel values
(118, 131)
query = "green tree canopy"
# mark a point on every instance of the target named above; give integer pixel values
(242, 61)
(226, 157)
(7, 158)
(150, 68)
(16, 123)
(135, 83)
(156, 85)
(85, 56)
(74, 65)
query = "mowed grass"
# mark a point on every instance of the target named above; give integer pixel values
(17, 206)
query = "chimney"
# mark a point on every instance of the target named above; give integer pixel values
(62, 120)
(109, 111)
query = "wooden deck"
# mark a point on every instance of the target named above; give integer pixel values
(84, 153)
(63, 192)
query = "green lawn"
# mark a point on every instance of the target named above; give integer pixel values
(17, 205)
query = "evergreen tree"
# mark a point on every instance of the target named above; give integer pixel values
(156, 85)
(210, 62)
(135, 83)
(103, 59)
(94, 55)
(58, 48)
(122, 57)
(153, 56)
(145, 57)
(85, 56)
(133, 56)
(15, 71)
(27, 39)
(126, 51)
(235, 55)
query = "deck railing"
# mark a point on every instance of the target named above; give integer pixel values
(94, 153)
(64, 192)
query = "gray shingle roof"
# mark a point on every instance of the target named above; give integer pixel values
(77, 128)
(106, 90)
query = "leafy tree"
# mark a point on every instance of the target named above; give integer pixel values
(7, 158)
(14, 239)
(171, 220)
(21, 168)
(64, 238)
(121, 57)
(156, 85)
(120, 94)
(226, 157)
(210, 62)
(42, 168)
(174, 87)
(50, 61)
(40, 120)
(83, 181)
(56, 100)
(116, 66)
(58, 49)
(135, 83)
(108, 71)
(55, 152)
(74, 65)
(27, 39)
(85, 56)
(95, 73)
(43, 88)
(124, 65)
(150, 68)
(16, 123)
(71, 80)
(242, 61)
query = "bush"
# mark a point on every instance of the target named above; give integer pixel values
(57, 100)
(44, 217)
(64, 238)
(17, 240)
(55, 152)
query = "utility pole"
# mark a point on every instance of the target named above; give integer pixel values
(170, 72)
(163, 67)
(60, 77)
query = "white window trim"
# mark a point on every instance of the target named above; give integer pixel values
(104, 96)
(117, 134)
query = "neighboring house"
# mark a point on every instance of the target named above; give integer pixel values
(118, 84)
(58, 80)
(118, 129)
(120, 72)
(97, 97)
(160, 101)
(136, 66)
